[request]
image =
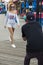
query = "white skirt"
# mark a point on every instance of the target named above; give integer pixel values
(11, 24)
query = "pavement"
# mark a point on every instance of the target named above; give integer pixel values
(9, 55)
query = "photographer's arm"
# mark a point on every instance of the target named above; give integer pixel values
(24, 38)
(23, 35)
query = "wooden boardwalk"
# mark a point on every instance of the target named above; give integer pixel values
(13, 56)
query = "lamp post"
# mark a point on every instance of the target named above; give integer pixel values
(38, 10)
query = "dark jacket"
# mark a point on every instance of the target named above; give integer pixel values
(33, 33)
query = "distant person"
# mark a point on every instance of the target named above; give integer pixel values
(24, 17)
(32, 32)
(10, 22)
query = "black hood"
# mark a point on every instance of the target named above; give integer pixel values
(30, 17)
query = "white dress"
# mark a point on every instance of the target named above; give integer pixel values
(11, 20)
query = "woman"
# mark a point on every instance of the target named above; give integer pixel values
(11, 20)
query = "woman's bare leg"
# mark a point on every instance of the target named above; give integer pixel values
(11, 30)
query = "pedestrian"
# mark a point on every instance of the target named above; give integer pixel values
(24, 17)
(10, 21)
(32, 32)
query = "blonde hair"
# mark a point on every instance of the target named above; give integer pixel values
(9, 5)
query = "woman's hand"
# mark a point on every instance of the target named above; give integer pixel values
(19, 25)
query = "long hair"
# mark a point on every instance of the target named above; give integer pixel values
(9, 7)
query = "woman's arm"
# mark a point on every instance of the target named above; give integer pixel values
(6, 19)
(17, 19)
